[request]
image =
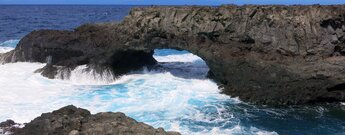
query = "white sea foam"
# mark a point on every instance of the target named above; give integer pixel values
(82, 75)
(24, 94)
(5, 49)
(189, 57)
(161, 99)
(167, 102)
(8, 45)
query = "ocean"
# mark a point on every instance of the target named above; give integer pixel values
(176, 95)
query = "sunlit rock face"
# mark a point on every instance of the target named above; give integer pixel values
(263, 54)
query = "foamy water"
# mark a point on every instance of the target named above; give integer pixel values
(178, 58)
(8, 45)
(190, 106)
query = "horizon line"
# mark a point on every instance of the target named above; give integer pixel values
(32, 4)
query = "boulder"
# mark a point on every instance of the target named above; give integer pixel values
(71, 120)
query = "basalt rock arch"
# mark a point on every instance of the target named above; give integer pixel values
(263, 54)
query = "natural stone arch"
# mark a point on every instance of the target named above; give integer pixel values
(263, 54)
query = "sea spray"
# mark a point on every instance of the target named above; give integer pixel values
(25, 94)
(8, 45)
(171, 102)
(86, 75)
(189, 57)
(162, 98)
(179, 60)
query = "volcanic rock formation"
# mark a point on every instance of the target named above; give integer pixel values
(71, 120)
(263, 54)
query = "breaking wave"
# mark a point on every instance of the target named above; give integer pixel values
(176, 96)
(8, 45)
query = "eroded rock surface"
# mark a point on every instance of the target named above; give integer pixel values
(8, 127)
(71, 120)
(263, 54)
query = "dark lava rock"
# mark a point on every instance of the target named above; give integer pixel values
(263, 54)
(71, 120)
(7, 123)
(8, 127)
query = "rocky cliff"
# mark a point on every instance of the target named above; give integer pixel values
(263, 54)
(71, 120)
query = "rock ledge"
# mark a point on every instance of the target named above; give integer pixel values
(71, 120)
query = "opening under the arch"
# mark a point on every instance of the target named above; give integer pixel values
(181, 63)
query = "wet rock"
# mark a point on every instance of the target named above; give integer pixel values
(242, 45)
(8, 127)
(7, 123)
(71, 120)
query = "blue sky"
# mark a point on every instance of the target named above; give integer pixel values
(173, 2)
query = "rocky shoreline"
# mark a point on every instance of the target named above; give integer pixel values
(271, 54)
(71, 120)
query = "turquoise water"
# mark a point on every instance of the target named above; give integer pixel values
(161, 97)
(9, 43)
(175, 95)
(167, 52)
